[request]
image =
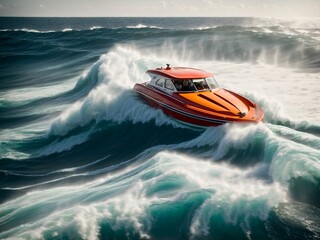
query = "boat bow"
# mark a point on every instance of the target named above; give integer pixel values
(219, 101)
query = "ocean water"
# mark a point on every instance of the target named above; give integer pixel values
(83, 157)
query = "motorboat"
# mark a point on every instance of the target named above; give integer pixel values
(193, 96)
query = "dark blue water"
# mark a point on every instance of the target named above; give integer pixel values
(82, 157)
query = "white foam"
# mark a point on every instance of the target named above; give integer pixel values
(143, 26)
(95, 27)
(26, 30)
(205, 28)
(67, 30)
(43, 31)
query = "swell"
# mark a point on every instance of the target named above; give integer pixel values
(15, 114)
(68, 159)
(56, 59)
(167, 183)
(158, 172)
(28, 57)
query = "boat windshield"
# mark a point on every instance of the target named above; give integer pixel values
(212, 82)
(192, 85)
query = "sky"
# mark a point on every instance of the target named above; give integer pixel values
(160, 8)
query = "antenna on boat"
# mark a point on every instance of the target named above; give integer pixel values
(168, 66)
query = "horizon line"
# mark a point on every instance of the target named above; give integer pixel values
(150, 17)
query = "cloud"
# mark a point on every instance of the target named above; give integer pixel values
(208, 2)
(164, 4)
(211, 3)
(192, 8)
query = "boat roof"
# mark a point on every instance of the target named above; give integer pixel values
(180, 72)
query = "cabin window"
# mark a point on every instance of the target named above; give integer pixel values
(160, 82)
(185, 85)
(169, 84)
(201, 84)
(212, 82)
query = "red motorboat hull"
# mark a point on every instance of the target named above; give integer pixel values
(183, 109)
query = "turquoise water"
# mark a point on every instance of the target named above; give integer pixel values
(82, 157)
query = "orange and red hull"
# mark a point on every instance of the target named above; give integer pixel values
(202, 108)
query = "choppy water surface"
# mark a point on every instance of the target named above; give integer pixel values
(82, 157)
